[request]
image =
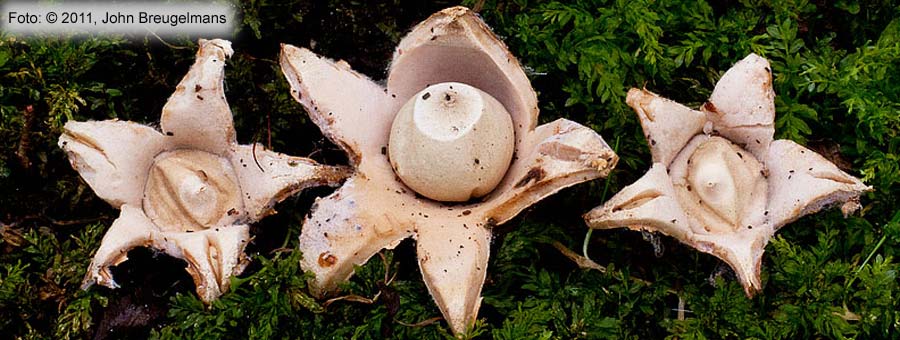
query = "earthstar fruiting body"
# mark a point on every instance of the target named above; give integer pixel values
(719, 182)
(191, 190)
(375, 210)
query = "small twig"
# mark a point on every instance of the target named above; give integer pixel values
(587, 263)
(10, 235)
(478, 6)
(168, 44)
(313, 153)
(388, 279)
(251, 57)
(422, 323)
(581, 261)
(847, 314)
(318, 147)
(362, 299)
(349, 298)
(73, 222)
(25, 137)
(281, 250)
(269, 130)
(63, 222)
(253, 151)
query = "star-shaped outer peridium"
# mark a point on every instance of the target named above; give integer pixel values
(375, 210)
(115, 158)
(719, 183)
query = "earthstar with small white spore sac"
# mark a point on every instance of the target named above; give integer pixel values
(719, 182)
(191, 190)
(374, 209)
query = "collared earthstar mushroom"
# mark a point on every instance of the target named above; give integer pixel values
(433, 140)
(188, 191)
(719, 182)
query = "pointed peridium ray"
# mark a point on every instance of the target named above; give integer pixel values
(453, 259)
(197, 115)
(668, 126)
(268, 177)
(350, 109)
(132, 229)
(348, 227)
(742, 251)
(802, 182)
(202, 250)
(557, 155)
(112, 157)
(650, 203)
(742, 105)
